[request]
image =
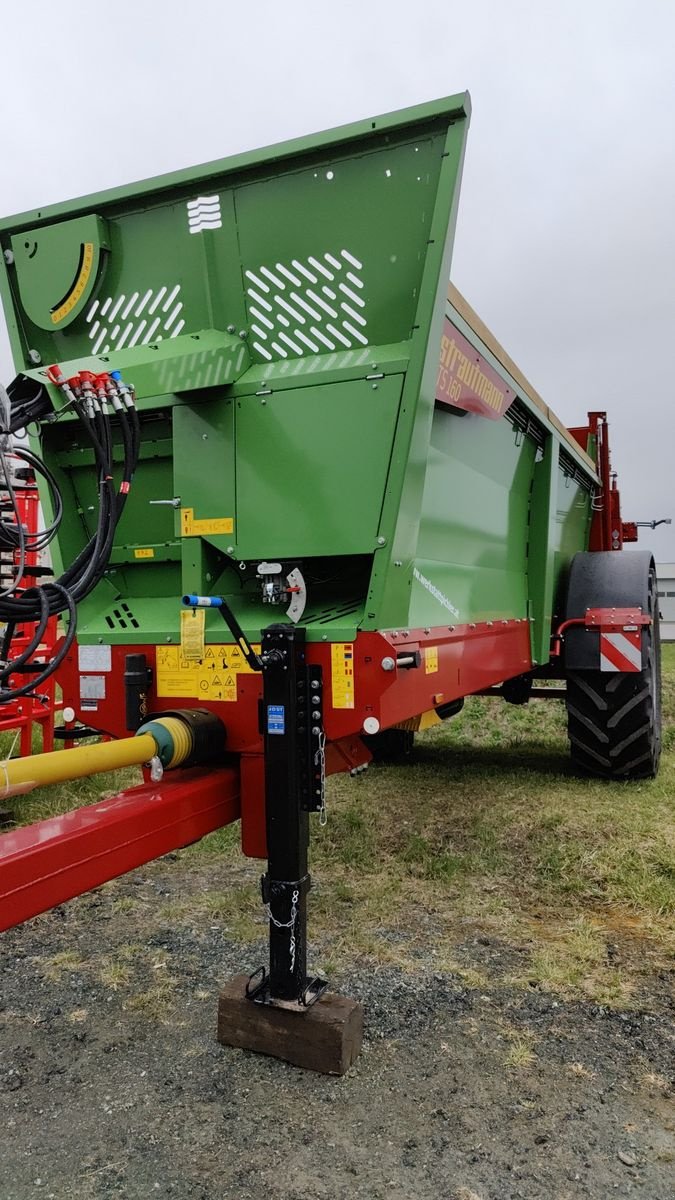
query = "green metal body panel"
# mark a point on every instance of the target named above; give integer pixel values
(308, 499)
(57, 268)
(280, 314)
(474, 528)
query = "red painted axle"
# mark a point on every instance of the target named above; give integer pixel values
(51, 861)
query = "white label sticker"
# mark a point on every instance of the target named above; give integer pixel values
(94, 658)
(92, 687)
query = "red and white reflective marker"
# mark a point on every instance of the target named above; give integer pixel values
(621, 651)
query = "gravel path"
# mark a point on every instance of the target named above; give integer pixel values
(117, 1088)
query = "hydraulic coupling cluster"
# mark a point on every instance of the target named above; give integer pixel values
(97, 401)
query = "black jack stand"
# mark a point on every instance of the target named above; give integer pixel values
(281, 1011)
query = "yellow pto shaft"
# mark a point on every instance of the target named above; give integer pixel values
(169, 738)
(23, 774)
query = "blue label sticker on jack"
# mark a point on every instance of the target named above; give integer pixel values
(276, 718)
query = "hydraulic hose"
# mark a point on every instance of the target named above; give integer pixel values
(90, 398)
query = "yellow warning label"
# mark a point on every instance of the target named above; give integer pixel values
(192, 624)
(213, 677)
(191, 527)
(342, 674)
(80, 284)
(431, 660)
(144, 552)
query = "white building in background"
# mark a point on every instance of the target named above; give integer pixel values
(665, 573)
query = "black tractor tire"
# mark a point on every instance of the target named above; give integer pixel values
(614, 718)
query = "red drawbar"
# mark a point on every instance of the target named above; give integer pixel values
(44, 864)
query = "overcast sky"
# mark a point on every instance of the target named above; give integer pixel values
(566, 233)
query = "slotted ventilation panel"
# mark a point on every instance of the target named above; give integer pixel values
(121, 618)
(119, 321)
(308, 307)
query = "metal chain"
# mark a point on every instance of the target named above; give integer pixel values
(287, 924)
(291, 940)
(320, 761)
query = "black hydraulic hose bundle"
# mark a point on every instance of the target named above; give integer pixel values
(91, 398)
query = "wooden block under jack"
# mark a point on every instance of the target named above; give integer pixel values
(327, 1037)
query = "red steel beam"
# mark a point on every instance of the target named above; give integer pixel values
(44, 864)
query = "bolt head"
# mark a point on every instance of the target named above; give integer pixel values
(9, 257)
(35, 357)
(381, 541)
(388, 663)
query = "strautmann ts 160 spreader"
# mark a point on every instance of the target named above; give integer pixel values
(303, 504)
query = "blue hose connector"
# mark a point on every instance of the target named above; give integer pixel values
(203, 601)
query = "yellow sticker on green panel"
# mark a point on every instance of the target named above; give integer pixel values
(190, 526)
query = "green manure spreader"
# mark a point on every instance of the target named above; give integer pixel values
(301, 503)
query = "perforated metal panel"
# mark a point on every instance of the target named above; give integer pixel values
(118, 321)
(307, 307)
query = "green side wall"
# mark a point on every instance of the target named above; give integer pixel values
(403, 513)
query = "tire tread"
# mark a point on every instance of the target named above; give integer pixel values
(621, 712)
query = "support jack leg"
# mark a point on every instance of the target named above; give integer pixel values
(282, 1012)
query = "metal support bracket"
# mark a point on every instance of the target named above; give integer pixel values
(293, 733)
(619, 645)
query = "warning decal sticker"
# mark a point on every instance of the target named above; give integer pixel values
(192, 626)
(213, 677)
(431, 659)
(342, 673)
(191, 527)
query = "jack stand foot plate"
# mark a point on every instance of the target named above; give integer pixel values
(326, 1037)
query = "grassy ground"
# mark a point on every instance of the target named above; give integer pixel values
(485, 833)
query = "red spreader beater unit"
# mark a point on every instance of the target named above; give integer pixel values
(310, 504)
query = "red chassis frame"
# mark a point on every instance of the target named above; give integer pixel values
(49, 862)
